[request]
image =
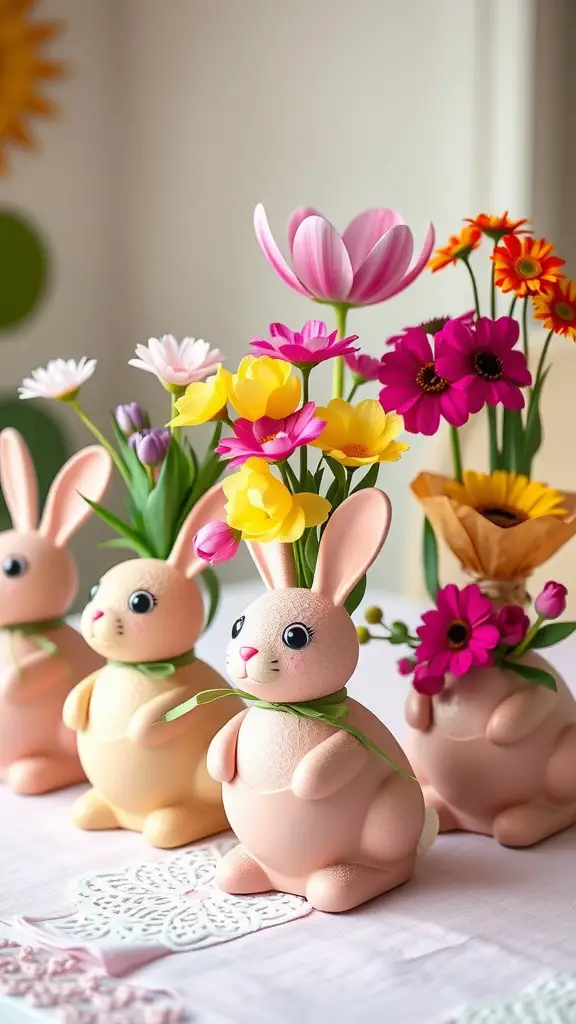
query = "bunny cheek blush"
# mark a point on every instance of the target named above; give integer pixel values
(318, 792)
(144, 616)
(41, 658)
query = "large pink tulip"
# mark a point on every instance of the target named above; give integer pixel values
(369, 263)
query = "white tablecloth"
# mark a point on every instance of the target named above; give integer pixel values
(477, 922)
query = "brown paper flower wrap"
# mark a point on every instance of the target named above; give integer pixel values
(491, 553)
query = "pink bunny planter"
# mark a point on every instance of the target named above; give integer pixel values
(41, 658)
(145, 616)
(497, 755)
(317, 811)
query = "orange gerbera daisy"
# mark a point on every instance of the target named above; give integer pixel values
(496, 227)
(525, 266)
(557, 308)
(459, 248)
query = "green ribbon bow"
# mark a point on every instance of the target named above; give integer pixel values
(157, 669)
(36, 630)
(331, 709)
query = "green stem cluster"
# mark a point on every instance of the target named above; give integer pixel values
(341, 314)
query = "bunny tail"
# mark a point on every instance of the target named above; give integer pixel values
(429, 831)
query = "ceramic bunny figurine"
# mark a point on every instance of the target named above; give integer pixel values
(497, 755)
(41, 658)
(317, 812)
(145, 616)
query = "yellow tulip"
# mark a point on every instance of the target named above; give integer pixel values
(360, 435)
(263, 387)
(202, 401)
(262, 508)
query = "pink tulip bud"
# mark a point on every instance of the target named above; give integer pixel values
(427, 682)
(405, 666)
(513, 624)
(551, 600)
(216, 542)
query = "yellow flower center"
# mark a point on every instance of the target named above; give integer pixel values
(429, 381)
(269, 437)
(355, 451)
(565, 311)
(502, 516)
(458, 634)
(527, 267)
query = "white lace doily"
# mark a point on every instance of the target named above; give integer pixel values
(129, 917)
(550, 1000)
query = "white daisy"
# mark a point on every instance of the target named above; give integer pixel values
(61, 378)
(177, 363)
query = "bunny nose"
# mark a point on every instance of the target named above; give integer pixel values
(97, 615)
(248, 652)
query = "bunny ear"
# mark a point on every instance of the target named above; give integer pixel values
(19, 482)
(275, 563)
(352, 540)
(85, 475)
(210, 508)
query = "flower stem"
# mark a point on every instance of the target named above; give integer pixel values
(341, 313)
(525, 327)
(94, 430)
(519, 650)
(493, 288)
(542, 359)
(493, 438)
(512, 306)
(353, 391)
(288, 476)
(175, 431)
(350, 470)
(474, 285)
(305, 371)
(456, 455)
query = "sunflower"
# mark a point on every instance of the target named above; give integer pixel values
(459, 248)
(557, 308)
(506, 499)
(22, 70)
(496, 227)
(525, 266)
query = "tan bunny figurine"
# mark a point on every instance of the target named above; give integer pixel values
(41, 658)
(145, 616)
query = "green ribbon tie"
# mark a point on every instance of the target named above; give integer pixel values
(157, 669)
(331, 709)
(35, 631)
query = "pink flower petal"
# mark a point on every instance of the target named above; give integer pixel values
(484, 636)
(295, 219)
(384, 265)
(448, 601)
(414, 272)
(365, 230)
(461, 662)
(321, 260)
(281, 331)
(314, 329)
(273, 254)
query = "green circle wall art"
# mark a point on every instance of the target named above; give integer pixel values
(24, 268)
(45, 437)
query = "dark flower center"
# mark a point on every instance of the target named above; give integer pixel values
(502, 516)
(488, 365)
(458, 634)
(565, 311)
(428, 380)
(434, 325)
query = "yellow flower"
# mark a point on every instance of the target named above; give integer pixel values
(361, 435)
(263, 387)
(506, 499)
(202, 401)
(263, 509)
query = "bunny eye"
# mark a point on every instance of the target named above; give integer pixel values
(237, 627)
(141, 601)
(14, 565)
(94, 590)
(297, 636)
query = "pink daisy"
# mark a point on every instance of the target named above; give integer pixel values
(364, 366)
(271, 439)
(435, 325)
(459, 633)
(481, 362)
(311, 345)
(414, 388)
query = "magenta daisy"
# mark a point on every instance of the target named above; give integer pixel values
(459, 633)
(414, 388)
(363, 366)
(482, 363)
(271, 439)
(313, 344)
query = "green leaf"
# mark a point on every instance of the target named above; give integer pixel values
(356, 596)
(552, 634)
(165, 500)
(318, 478)
(532, 674)
(430, 559)
(139, 543)
(211, 584)
(117, 542)
(369, 480)
(140, 485)
(311, 546)
(338, 471)
(533, 431)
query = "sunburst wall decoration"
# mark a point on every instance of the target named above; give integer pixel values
(23, 71)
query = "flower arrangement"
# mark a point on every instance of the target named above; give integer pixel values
(159, 468)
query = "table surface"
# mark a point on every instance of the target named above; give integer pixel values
(477, 922)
